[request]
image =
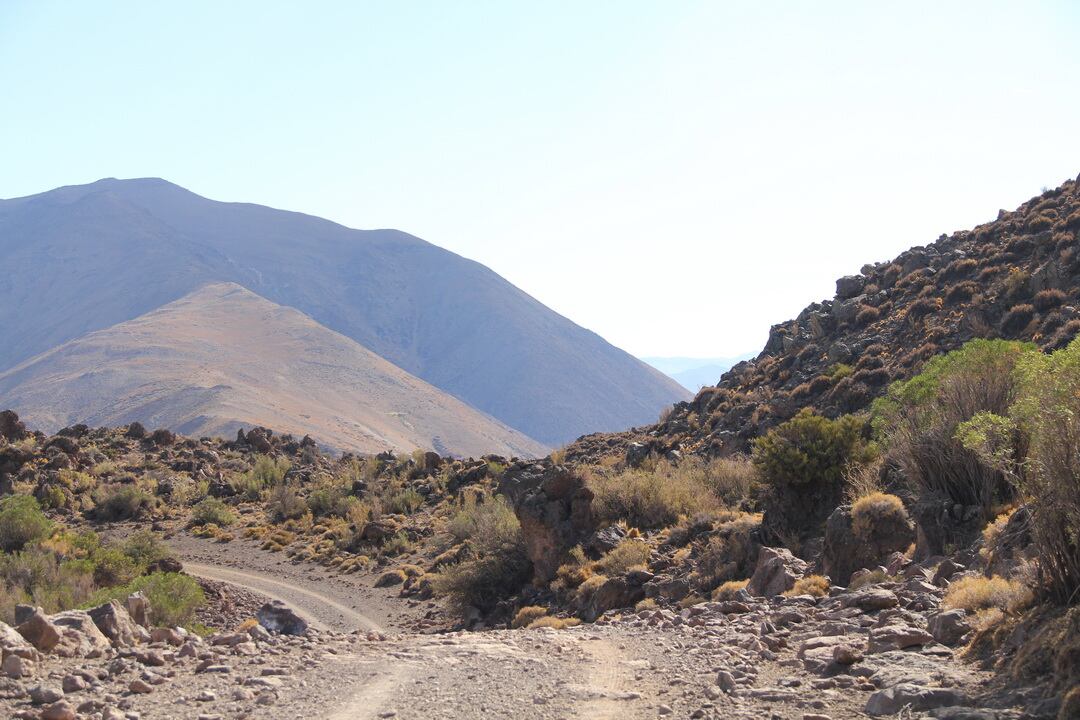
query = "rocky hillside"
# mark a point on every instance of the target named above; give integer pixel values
(84, 258)
(221, 357)
(1017, 277)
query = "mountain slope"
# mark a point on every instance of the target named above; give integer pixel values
(83, 258)
(1017, 277)
(223, 357)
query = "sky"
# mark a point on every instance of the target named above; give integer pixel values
(676, 176)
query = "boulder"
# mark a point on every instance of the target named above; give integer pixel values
(849, 286)
(138, 605)
(39, 631)
(11, 427)
(614, 593)
(81, 637)
(871, 599)
(914, 697)
(949, 627)
(897, 637)
(554, 508)
(12, 643)
(775, 573)
(277, 617)
(114, 622)
(844, 552)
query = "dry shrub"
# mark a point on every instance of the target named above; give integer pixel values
(730, 552)
(727, 590)
(1017, 319)
(874, 577)
(652, 498)
(553, 622)
(816, 585)
(625, 555)
(878, 513)
(1048, 299)
(961, 293)
(974, 593)
(862, 480)
(528, 615)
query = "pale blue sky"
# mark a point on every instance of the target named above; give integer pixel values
(674, 175)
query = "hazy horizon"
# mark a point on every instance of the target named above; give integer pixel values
(676, 178)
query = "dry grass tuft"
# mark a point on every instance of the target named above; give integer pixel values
(877, 512)
(816, 585)
(981, 593)
(526, 616)
(727, 590)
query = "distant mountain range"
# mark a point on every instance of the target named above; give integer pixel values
(85, 258)
(222, 358)
(695, 373)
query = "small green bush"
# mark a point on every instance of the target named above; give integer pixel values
(405, 502)
(113, 567)
(212, 511)
(21, 522)
(810, 450)
(174, 597)
(144, 547)
(123, 502)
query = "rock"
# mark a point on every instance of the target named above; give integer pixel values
(73, 683)
(136, 431)
(138, 605)
(44, 694)
(116, 624)
(897, 637)
(168, 565)
(61, 710)
(277, 617)
(163, 437)
(554, 508)
(916, 698)
(12, 643)
(614, 593)
(726, 681)
(949, 627)
(151, 657)
(11, 427)
(846, 655)
(39, 631)
(844, 553)
(140, 687)
(776, 572)
(81, 637)
(378, 531)
(870, 599)
(111, 713)
(849, 286)
(16, 667)
(168, 636)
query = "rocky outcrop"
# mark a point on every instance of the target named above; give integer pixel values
(11, 428)
(114, 622)
(776, 572)
(39, 630)
(554, 508)
(844, 552)
(277, 617)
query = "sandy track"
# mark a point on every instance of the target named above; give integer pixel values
(317, 609)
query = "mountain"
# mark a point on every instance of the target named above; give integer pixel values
(222, 357)
(694, 373)
(1017, 277)
(84, 258)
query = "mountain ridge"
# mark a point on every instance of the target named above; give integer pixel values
(222, 357)
(445, 319)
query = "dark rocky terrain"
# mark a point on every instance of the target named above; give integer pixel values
(1015, 277)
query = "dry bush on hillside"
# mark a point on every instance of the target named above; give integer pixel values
(653, 498)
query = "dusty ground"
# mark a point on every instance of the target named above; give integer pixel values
(748, 661)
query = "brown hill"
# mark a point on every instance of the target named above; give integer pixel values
(86, 257)
(1017, 277)
(222, 357)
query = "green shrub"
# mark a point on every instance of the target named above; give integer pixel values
(144, 547)
(113, 567)
(122, 502)
(21, 522)
(212, 511)
(918, 420)
(285, 503)
(810, 450)
(330, 497)
(174, 597)
(404, 502)
(268, 471)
